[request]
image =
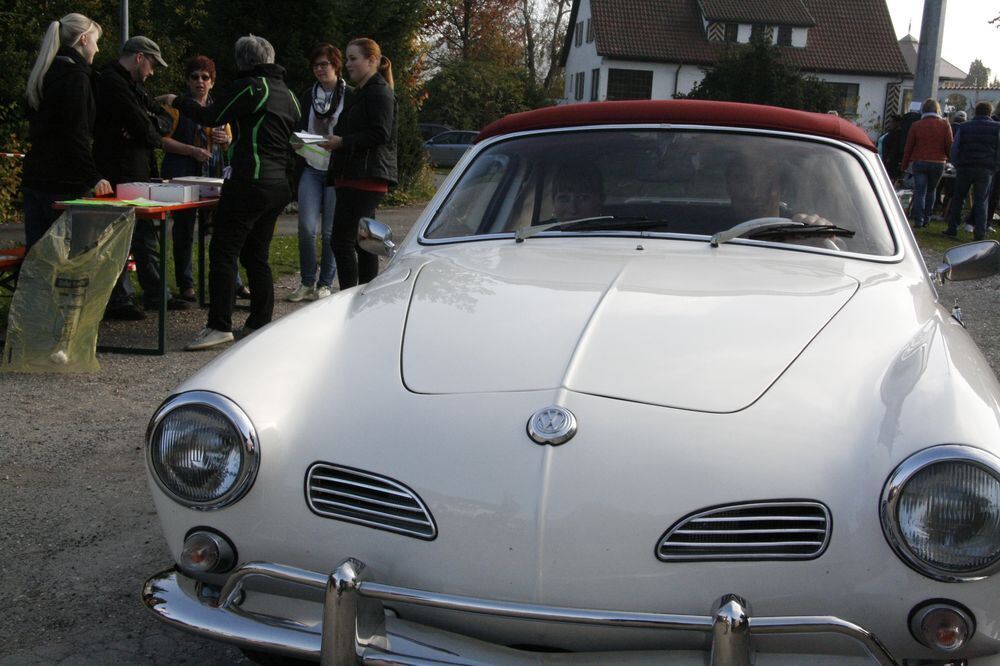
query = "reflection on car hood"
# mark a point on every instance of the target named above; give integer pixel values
(679, 329)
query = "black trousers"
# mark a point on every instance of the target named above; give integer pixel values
(243, 228)
(354, 265)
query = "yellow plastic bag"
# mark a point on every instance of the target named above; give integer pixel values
(64, 285)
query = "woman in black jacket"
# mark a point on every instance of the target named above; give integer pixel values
(363, 162)
(61, 111)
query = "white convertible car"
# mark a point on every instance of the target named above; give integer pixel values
(648, 382)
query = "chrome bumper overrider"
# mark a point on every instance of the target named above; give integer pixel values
(354, 622)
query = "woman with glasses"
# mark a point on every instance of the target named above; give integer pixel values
(193, 150)
(321, 105)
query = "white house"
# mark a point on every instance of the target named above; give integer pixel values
(656, 49)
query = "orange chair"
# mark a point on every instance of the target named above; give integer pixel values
(10, 264)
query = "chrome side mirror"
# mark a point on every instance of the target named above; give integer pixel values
(376, 237)
(970, 261)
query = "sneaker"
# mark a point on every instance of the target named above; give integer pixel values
(243, 293)
(302, 293)
(321, 292)
(970, 228)
(244, 331)
(209, 337)
(188, 295)
(128, 312)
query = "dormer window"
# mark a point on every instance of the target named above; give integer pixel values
(784, 35)
(732, 32)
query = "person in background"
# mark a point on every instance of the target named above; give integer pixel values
(577, 192)
(957, 118)
(976, 155)
(363, 163)
(129, 128)
(264, 113)
(61, 111)
(193, 150)
(947, 184)
(928, 144)
(321, 104)
(890, 147)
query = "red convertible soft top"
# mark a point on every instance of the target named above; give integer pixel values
(681, 112)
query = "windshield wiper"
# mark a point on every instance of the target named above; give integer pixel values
(776, 227)
(600, 222)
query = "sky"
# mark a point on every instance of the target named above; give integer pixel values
(967, 32)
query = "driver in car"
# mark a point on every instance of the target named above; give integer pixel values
(577, 192)
(755, 185)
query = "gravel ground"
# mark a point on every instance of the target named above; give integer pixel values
(78, 532)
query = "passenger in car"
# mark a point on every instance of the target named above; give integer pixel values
(755, 188)
(577, 192)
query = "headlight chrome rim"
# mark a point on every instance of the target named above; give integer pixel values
(892, 493)
(250, 446)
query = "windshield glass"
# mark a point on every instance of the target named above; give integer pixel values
(662, 182)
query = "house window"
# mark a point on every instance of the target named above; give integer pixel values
(630, 84)
(590, 30)
(595, 84)
(578, 37)
(784, 35)
(756, 32)
(845, 98)
(732, 31)
(578, 94)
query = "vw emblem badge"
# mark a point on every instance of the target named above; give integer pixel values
(552, 425)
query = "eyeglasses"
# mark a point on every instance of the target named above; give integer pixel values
(322, 64)
(195, 76)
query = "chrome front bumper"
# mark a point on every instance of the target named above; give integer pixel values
(356, 629)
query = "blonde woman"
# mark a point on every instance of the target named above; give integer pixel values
(363, 162)
(61, 112)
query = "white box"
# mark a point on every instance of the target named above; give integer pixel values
(173, 193)
(132, 190)
(208, 188)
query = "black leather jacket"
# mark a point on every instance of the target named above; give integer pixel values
(126, 132)
(369, 126)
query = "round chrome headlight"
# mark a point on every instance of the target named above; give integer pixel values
(941, 512)
(202, 450)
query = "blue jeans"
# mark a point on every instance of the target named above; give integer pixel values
(316, 204)
(926, 176)
(979, 180)
(39, 214)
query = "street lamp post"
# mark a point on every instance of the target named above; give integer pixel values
(925, 83)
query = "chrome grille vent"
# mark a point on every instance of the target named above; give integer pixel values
(778, 530)
(368, 499)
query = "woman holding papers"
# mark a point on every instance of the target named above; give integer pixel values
(61, 112)
(192, 150)
(321, 105)
(363, 163)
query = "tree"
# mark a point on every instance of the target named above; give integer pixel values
(757, 73)
(470, 95)
(979, 75)
(476, 30)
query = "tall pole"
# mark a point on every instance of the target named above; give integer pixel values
(925, 84)
(123, 16)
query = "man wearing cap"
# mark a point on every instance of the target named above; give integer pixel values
(127, 131)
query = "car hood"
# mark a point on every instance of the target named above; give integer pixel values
(699, 328)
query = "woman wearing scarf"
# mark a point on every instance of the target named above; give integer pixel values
(321, 105)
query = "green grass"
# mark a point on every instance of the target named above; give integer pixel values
(932, 238)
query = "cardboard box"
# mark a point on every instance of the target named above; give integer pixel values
(132, 190)
(208, 188)
(173, 192)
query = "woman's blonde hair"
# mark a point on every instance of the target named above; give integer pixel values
(64, 32)
(931, 106)
(371, 48)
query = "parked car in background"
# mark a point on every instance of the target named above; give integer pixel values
(445, 150)
(654, 381)
(429, 130)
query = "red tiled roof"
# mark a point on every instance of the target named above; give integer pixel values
(680, 112)
(766, 12)
(850, 36)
